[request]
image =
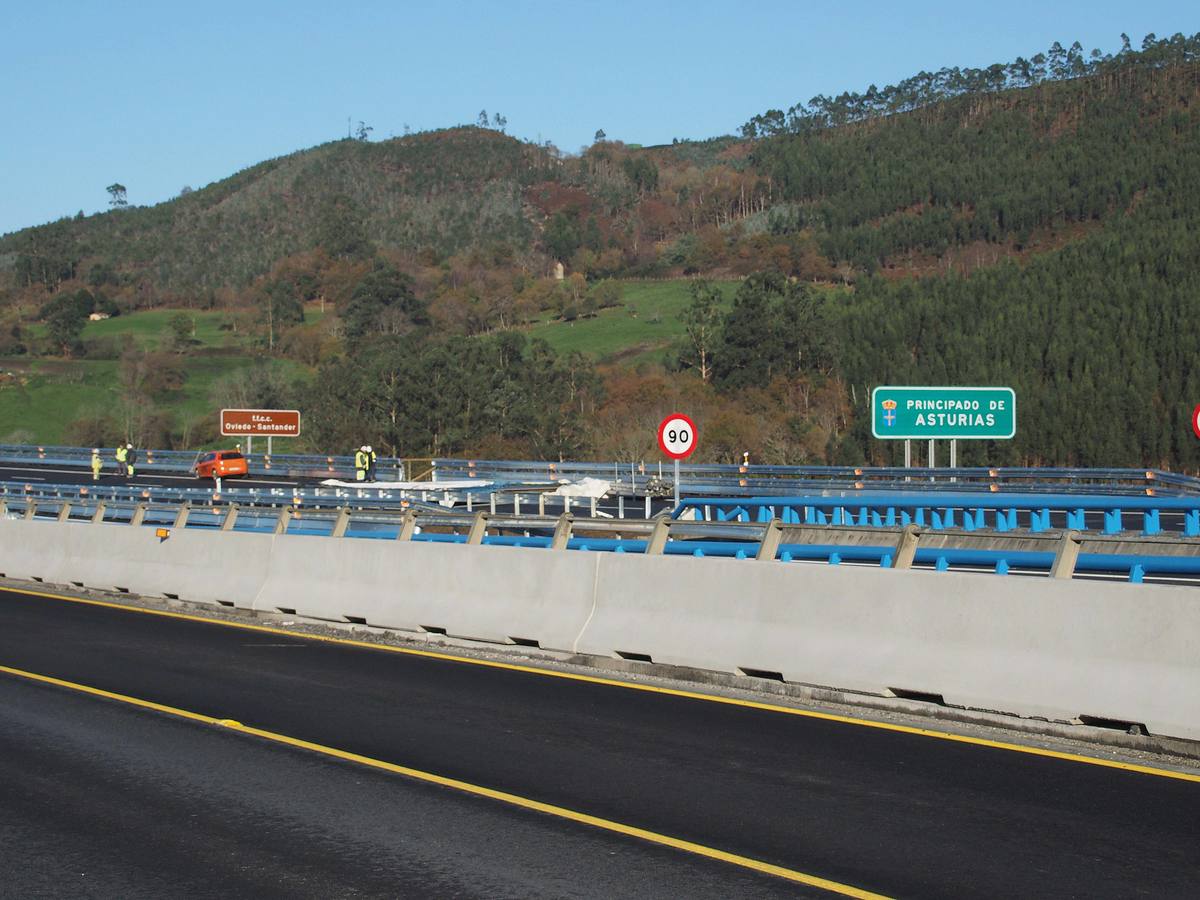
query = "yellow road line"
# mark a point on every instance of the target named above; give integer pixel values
(466, 787)
(647, 688)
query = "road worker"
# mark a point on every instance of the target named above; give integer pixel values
(97, 464)
(122, 455)
(371, 458)
(130, 459)
(360, 463)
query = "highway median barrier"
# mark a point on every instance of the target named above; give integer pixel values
(1059, 648)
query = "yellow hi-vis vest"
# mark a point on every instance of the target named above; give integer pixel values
(122, 454)
(360, 460)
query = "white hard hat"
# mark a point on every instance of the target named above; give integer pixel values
(95, 449)
(129, 446)
(370, 449)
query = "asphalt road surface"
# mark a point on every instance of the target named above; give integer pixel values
(343, 771)
(144, 476)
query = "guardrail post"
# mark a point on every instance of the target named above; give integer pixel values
(772, 534)
(64, 512)
(231, 516)
(181, 517)
(281, 521)
(906, 547)
(657, 541)
(139, 515)
(1066, 555)
(408, 525)
(478, 528)
(562, 532)
(3, 508)
(341, 523)
(30, 509)
(1151, 524)
(98, 515)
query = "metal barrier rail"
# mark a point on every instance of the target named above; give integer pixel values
(759, 478)
(971, 512)
(629, 477)
(1060, 554)
(373, 495)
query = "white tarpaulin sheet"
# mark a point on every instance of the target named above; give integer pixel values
(431, 486)
(585, 487)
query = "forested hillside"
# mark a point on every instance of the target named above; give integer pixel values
(444, 190)
(1030, 223)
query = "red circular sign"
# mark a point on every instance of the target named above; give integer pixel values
(677, 436)
(1196, 420)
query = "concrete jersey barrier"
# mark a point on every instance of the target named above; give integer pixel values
(1054, 648)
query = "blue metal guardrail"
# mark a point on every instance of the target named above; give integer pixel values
(537, 534)
(931, 510)
(970, 512)
(630, 477)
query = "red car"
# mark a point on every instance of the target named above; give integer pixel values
(220, 464)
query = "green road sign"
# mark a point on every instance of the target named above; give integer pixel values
(961, 413)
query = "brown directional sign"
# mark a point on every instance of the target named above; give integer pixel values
(265, 422)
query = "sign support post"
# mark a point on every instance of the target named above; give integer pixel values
(677, 481)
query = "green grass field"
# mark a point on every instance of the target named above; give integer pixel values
(42, 397)
(150, 329)
(640, 331)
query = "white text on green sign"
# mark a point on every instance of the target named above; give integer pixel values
(957, 413)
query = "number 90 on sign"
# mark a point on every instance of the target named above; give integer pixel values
(677, 436)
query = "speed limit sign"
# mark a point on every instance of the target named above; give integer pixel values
(1195, 422)
(677, 436)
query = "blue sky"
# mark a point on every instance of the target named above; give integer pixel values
(162, 95)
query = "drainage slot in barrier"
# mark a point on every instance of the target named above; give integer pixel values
(170, 596)
(1114, 724)
(637, 657)
(923, 696)
(120, 590)
(760, 673)
(225, 602)
(77, 584)
(356, 620)
(432, 629)
(285, 610)
(524, 642)
(38, 580)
